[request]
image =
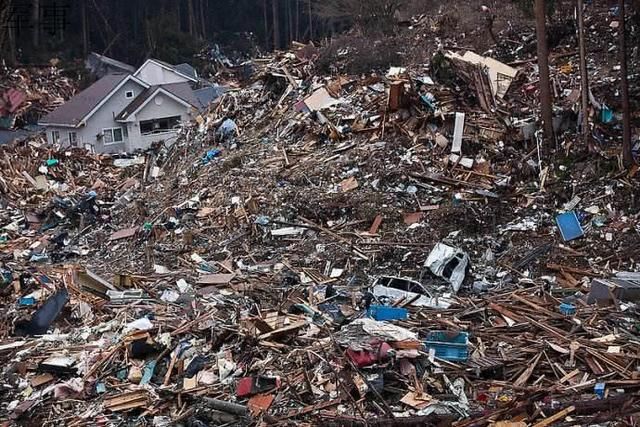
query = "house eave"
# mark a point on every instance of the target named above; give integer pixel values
(61, 125)
(152, 96)
(191, 79)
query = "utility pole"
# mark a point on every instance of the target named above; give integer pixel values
(543, 65)
(583, 74)
(627, 155)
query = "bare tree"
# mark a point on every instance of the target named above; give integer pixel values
(627, 155)
(310, 20)
(85, 29)
(7, 42)
(265, 17)
(191, 18)
(35, 22)
(583, 74)
(543, 65)
(276, 23)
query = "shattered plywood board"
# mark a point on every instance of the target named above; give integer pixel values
(500, 75)
(216, 279)
(320, 99)
(123, 234)
(127, 401)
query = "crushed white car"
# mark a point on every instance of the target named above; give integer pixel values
(400, 288)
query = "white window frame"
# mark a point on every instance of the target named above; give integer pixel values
(111, 132)
(55, 136)
(178, 119)
(73, 142)
(129, 94)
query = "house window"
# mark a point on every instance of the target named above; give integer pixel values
(159, 125)
(55, 136)
(128, 94)
(112, 136)
(73, 139)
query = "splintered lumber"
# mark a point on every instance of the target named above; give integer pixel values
(282, 331)
(307, 409)
(558, 416)
(354, 248)
(505, 312)
(123, 234)
(96, 367)
(569, 376)
(395, 95)
(533, 305)
(41, 379)
(127, 401)
(216, 279)
(375, 225)
(563, 268)
(524, 377)
(441, 179)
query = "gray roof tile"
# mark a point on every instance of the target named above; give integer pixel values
(75, 109)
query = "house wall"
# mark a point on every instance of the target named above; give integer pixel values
(102, 119)
(153, 74)
(64, 134)
(160, 106)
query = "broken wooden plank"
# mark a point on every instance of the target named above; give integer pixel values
(569, 376)
(123, 234)
(375, 225)
(215, 279)
(308, 409)
(396, 92)
(558, 267)
(282, 331)
(558, 416)
(535, 306)
(505, 312)
(39, 380)
(30, 179)
(412, 217)
(260, 403)
(349, 184)
(356, 251)
(524, 377)
(127, 401)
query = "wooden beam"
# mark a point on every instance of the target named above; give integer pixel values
(558, 416)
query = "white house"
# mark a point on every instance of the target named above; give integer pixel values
(126, 112)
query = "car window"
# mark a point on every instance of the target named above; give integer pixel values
(398, 284)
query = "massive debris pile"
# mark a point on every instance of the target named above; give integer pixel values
(388, 249)
(26, 94)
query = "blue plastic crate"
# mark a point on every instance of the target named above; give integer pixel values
(27, 301)
(449, 346)
(567, 309)
(383, 312)
(569, 226)
(598, 389)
